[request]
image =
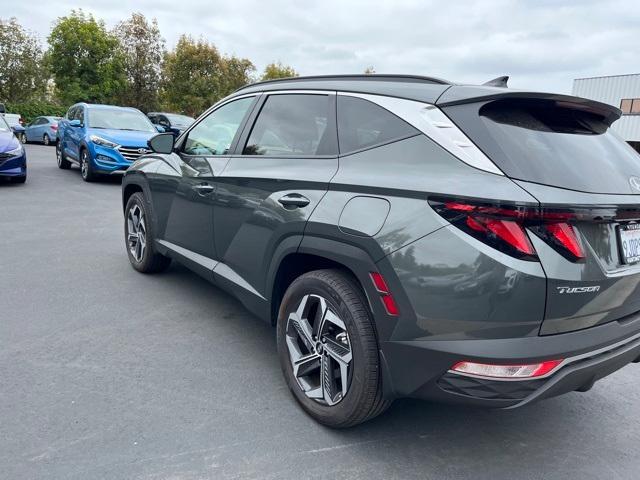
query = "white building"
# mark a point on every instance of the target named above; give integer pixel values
(622, 91)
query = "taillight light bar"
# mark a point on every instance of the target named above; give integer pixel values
(512, 372)
(504, 227)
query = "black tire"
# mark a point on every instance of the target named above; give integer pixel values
(86, 169)
(151, 261)
(363, 399)
(61, 158)
(46, 140)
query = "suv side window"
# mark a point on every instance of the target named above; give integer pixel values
(215, 133)
(80, 115)
(363, 124)
(293, 125)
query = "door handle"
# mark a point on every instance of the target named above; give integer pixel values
(204, 189)
(294, 200)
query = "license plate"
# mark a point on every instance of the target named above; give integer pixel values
(630, 243)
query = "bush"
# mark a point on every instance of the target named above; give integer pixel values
(33, 109)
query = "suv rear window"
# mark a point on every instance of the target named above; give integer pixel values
(550, 142)
(363, 124)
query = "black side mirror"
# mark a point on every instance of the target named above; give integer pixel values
(162, 143)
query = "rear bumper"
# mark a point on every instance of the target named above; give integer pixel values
(420, 369)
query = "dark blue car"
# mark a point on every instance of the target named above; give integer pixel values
(13, 159)
(102, 139)
(171, 122)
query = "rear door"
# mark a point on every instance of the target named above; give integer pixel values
(587, 180)
(282, 167)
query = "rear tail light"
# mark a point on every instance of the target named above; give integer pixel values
(54, 127)
(504, 227)
(519, 371)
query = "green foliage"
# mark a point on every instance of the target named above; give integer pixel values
(196, 76)
(32, 109)
(85, 60)
(277, 70)
(142, 49)
(22, 74)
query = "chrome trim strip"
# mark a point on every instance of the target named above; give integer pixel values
(431, 121)
(205, 262)
(565, 362)
(226, 272)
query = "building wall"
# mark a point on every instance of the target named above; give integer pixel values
(611, 90)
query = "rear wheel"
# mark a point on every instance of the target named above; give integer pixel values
(61, 158)
(328, 349)
(23, 137)
(86, 168)
(46, 140)
(139, 237)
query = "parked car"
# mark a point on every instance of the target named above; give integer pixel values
(13, 159)
(42, 129)
(15, 122)
(171, 122)
(102, 139)
(468, 244)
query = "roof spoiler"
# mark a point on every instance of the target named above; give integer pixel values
(458, 95)
(498, 82)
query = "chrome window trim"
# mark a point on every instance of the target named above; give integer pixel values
(432, 121)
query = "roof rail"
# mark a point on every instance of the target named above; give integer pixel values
(358, 77)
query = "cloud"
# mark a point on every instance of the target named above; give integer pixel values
(542, 44)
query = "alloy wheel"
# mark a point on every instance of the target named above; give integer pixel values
(45, 139)
(59, 153)
(319, 350)
(136, 232)
(84, 165)
(23, 138)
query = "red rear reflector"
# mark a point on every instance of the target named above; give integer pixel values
(523, 372)
(385, 295)
(379, 282)
(390, 305)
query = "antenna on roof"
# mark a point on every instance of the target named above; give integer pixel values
(498, 82)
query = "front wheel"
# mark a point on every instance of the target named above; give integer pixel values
(139, 237)
(86, 168)
(328, 349)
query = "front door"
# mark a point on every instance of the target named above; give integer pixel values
(203, 155)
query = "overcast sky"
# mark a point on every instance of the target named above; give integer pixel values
(541, 44)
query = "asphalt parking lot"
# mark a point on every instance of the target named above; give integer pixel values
(107, 373)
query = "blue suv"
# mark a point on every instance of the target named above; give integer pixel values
(102, 139)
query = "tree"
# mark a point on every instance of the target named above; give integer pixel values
(277, 70)
(22, 75)
(142, 49)
(196, 75)
(85, 60)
